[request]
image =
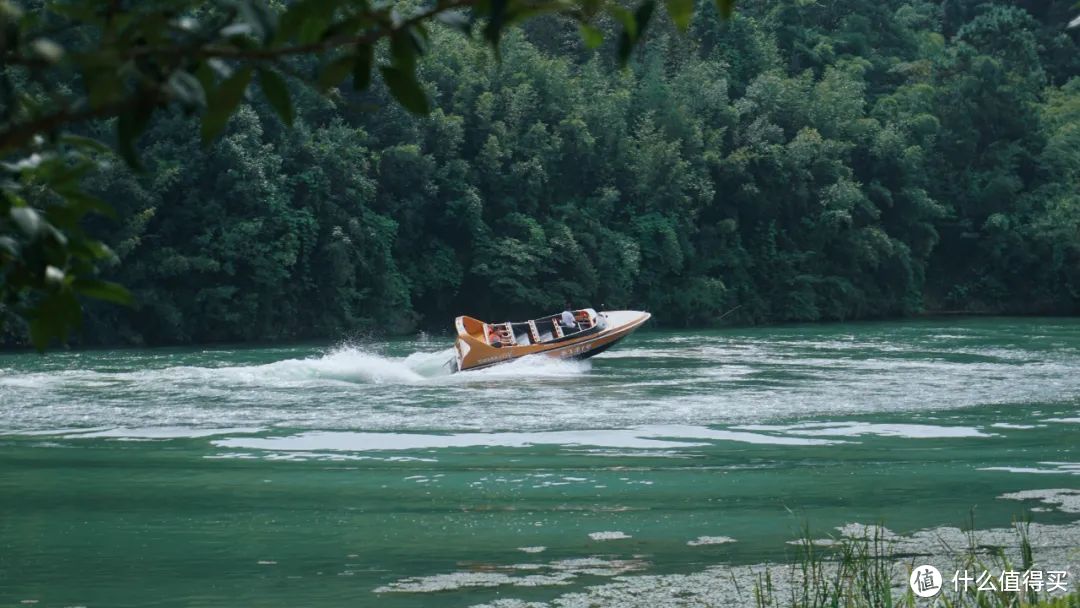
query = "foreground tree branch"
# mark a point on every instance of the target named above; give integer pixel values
(201, 56)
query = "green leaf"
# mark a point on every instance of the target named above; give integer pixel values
(205, 75)
(405, 89)
(89, 249)
(403, 50)
(85, 203)
(48, 50)
(187, 89)
(626, 18)
(54, 277)
(349, 27)
(9, 246)
(41, 331)
(28, 220)
(631, 35)
(681, 11)
(626, 45)
(102, 85)
(10, 12)
(222, 102)
(726, 7)
(258, 15)
(590, 35)
(103, 290)
(54, 316)
(642, 16)
(306, 20)
(87, 144)
(365, 55)
(293, 19)
(496, 18)
(277, 94)
(335, 71)
(457, 20)
(522, 12)
(129, 126)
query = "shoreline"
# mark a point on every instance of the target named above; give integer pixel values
(434, 334)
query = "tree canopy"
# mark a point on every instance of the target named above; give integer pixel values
(66, 62)
(837, 159)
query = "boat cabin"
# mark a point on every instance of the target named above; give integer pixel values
(537, 331)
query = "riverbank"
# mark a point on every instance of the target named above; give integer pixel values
(445, 332)
(859, 566)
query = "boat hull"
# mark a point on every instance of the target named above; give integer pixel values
(472, 354)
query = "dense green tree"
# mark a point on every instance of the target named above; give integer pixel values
(66, 63)
(803, 161)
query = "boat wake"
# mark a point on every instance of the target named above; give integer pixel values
(401, 386)
(344, 364)
(381, 389)
(354, 364)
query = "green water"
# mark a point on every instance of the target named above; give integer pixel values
(322, 476)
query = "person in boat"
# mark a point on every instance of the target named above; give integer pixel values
(568, 318)
(493, 337)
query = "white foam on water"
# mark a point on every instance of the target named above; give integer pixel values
(361, 442)
(702, 541)
(853, 429)
(125, 396)
(648, 437)
(689, 380)
(530, 367)
(164, 432)
(349, 364)
(346, 364)
(1052, 468)
(560, 572)
(1067, 500)
(609, 535)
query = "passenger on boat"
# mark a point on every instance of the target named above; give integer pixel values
(493, 337)
(568, 319)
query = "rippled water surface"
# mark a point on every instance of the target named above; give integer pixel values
(368, 474)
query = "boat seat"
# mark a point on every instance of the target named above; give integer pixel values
(506, 334)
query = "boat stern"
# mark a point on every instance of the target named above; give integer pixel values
(471, 348)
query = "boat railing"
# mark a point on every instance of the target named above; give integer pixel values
(536, 331)
(500, 334)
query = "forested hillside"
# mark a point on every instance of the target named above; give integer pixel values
(838, 159)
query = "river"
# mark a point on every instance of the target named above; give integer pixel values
(364, 474)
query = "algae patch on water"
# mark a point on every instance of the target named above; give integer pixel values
(560, 572)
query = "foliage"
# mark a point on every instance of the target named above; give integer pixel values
(867, 572)
(829, 160)
(66, 62)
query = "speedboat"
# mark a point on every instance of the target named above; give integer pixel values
(481, 344)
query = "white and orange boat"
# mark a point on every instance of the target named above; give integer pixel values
(481, 344)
